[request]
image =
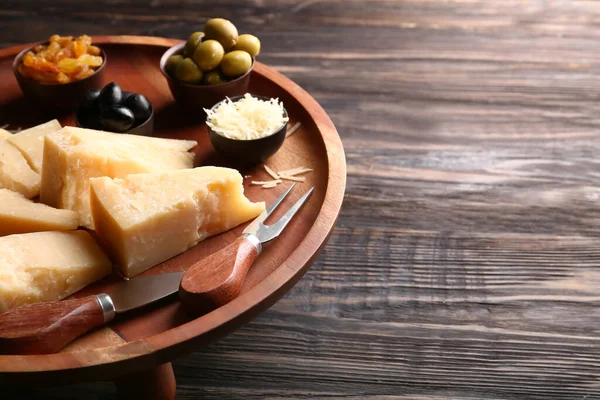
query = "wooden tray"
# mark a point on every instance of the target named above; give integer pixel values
(157, 334)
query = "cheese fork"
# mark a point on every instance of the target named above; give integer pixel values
(210, 283)
(218, 279)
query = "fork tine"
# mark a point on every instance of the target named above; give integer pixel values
(273, 230)
(255, 225)
(277, 202)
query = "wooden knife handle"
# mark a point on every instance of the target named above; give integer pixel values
(218, 279)
(48, 327)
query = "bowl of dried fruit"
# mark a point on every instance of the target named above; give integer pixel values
(59, 72)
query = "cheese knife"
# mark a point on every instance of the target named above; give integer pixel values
(44, 328)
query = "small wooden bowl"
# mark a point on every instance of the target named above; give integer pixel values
(198, 97)
(65, 96)
(146, 128)
(248, 152)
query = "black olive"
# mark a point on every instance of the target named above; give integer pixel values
(110, 95)
(89, 118)
(117, 119)
(89, 99)
(125, 96)
(139, 106)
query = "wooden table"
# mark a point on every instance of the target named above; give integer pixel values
(465, 264)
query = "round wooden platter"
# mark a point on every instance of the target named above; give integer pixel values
(153, 336)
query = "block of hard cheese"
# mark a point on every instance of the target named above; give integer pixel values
(73, 155)
(15, 173)
(30, 142)
(148, 218)
(4, 134)
(47, 266)
(19, 215)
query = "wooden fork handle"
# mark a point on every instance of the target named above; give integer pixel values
(48, 327)
(218, 279)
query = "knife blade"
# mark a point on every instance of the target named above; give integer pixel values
(44, 328)
(138, 292)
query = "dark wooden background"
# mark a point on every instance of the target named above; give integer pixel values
(466, 261)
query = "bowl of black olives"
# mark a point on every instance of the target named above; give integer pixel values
(113, 110)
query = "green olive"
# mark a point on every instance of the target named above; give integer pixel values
(188, 72)
(249, 43)
(192, 42)
(214, 77)
(223, 31)
(236, 63)
(208, 55)
(172, 64)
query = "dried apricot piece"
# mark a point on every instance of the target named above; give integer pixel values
(79, 49)
(64, 53)
(92, 61)
(85, 39)
(81, 73)
(93, 50)
(65, 40)
(39, 63)
(62, 78)
(68, 65)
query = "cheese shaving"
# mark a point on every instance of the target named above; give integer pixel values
(276, 181)
(273, 174)
(294, 171)
(293, 178)
(290, 132)
(247, 118)
(288, 175)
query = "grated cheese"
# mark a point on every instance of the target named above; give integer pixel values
(294, 171)
(279, 176)
(247, 118)
(276, 181)
(293, 178)
(273, 174)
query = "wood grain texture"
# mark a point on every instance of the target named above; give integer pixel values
(217, 279)
(155, 384)
(48, 327)
(465, 261)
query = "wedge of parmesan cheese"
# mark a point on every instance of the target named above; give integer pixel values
(15, 173)
(73, 155)
(149, 218)
(4, 134)
(19, 215)
(30, 143)
(47, 266)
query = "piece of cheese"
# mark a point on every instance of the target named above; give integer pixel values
(4, 134)
(15, 173)
(30, 142)
(19, 215)
(47, 266)
(73, 155)
(148, 218)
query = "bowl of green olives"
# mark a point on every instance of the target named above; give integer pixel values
(210, 66)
